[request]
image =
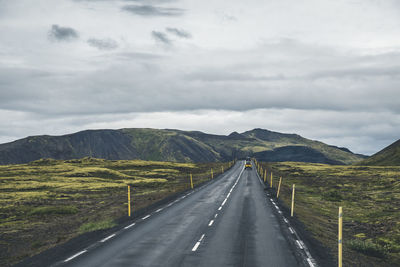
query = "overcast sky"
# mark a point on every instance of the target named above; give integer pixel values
(327, 70)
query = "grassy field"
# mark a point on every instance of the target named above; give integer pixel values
(370, 197)
(48, 202)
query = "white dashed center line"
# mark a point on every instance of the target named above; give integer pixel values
(201, 238)
(223, 203)
(198, 243)
(211, 222)
(196, 246)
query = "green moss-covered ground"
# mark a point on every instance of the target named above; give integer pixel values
(48, 202)
(370, 197)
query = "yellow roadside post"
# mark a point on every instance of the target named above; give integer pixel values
(291, 212)
(212, 174)
(222, 169)
(191, 181)
(265, 175)
(340, 237)
(279, 187)
(271, 179)
(129, 200)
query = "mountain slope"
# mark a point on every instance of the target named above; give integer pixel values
(295, 153)
(274, 140)
(174, 145)
(389, 156)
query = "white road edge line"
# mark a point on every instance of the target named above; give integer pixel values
(145, 217)
(76, 255)
(211, 222)
(220, 208)
(259, 178)
(310, 262)
(215, 216)
(108, 237)
(291, 230)
(129, 226)
(159, 210)
(299, 244)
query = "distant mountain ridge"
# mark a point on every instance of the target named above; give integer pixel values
(174, 145)
(389, 156)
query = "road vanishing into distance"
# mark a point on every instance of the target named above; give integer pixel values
(227, 222)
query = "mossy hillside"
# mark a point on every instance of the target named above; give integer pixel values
(166, 145)
(389, 156)
(47, 202)
(370, 197)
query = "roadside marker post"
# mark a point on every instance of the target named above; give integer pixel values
(212, 174)
(291, 211)
(265, 176)
(191, 181)
(271, 179)
(129, 200)
(340, 237)
(222, 169)
(279, 187)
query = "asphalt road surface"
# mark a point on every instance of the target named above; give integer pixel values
(225, 223)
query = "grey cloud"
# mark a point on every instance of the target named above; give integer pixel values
(137, 56)
(161, 37)
(179, 32)
(59, 33)
(103, 44)
(219, 76)
(152, 11)
(357, 72)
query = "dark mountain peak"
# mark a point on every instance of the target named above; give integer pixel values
(236, 135)
(267, 135)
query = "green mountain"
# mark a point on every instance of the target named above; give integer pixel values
(389, 156)
(174, 145)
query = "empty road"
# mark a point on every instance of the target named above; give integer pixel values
(228, 222)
